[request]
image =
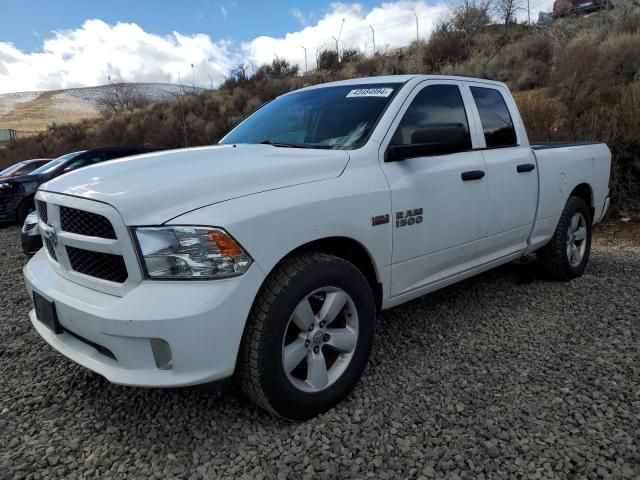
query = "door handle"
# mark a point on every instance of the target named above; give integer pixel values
(526, 167)
(472, 175)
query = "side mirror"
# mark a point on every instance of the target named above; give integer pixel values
(437, 139)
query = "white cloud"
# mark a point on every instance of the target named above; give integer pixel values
(223, 11)
(303, 18)
(91, 54)
(394, 24)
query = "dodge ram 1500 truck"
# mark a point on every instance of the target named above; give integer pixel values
(268, 255)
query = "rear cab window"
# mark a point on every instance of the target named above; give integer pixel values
(496, 120)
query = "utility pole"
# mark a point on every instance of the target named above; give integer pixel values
(529, 10)
(306, 68)
(338, 39)
(417, 31)
(373, 35)
(193, 78)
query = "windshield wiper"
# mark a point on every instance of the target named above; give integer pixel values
(285, 145)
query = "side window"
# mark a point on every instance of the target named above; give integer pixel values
(119, 153)
(83, 161)
(494, 115)
(432, 114)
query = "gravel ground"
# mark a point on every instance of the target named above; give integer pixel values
(503, 376)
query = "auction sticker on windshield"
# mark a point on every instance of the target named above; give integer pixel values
(370, 92)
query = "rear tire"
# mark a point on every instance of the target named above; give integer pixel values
(566, 256)
(308, 337)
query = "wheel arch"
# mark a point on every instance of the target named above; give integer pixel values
(585, 192)
(348, 249)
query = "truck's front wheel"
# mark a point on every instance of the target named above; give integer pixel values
(309, 336)
(567, 254)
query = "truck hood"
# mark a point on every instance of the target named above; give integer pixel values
(153, 188)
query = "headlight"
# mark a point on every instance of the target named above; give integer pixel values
(190, 252)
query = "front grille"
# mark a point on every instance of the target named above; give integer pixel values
(96, 264)
(42, 211)
(85, 223)
(50, 249)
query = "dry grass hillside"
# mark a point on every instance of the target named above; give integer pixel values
(46, 108)
(577, 78)
(33, 112)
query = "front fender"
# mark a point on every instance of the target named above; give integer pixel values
(272, 224)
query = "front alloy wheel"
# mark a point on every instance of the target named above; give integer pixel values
(320, 340)
(308, 337)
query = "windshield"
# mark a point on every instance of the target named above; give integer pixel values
(54, 164)
(339, 117)
(11, 169)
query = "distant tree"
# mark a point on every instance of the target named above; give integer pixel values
(238, 76)
(506, 10)
(470, 16)
(121, 97)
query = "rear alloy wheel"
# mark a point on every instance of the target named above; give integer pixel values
(576, 239)
(567, 254)
(308, 337)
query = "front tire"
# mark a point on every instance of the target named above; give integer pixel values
(24, 209)
(308, 337)
(566, 256)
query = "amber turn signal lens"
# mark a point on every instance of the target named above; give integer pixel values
(226, 245)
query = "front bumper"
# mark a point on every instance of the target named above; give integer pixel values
(201, 321)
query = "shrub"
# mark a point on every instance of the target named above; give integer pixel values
(328, 60)
(445, 47)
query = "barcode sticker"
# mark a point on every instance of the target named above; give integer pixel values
(370, 92)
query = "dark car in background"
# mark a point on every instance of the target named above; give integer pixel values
(17, 194)
(23, 168)
(562, 8)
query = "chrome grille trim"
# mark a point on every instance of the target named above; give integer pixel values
(42, 211)
(50, 249)
(121, 248)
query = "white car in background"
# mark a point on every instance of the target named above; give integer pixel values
(269, 254)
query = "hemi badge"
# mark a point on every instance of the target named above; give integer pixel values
(379, 220)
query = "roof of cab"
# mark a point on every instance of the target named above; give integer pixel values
(400, 79)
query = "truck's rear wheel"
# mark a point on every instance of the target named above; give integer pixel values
(567, 254)
(308, 337)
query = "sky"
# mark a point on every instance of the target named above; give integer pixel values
(46, 45)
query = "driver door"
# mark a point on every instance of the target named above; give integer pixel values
(439, 202)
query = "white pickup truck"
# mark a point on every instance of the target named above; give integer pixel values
(268, 255)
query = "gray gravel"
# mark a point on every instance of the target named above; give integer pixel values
(503, 376)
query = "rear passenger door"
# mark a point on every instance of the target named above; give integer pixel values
(439, 213)
(511, 170)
